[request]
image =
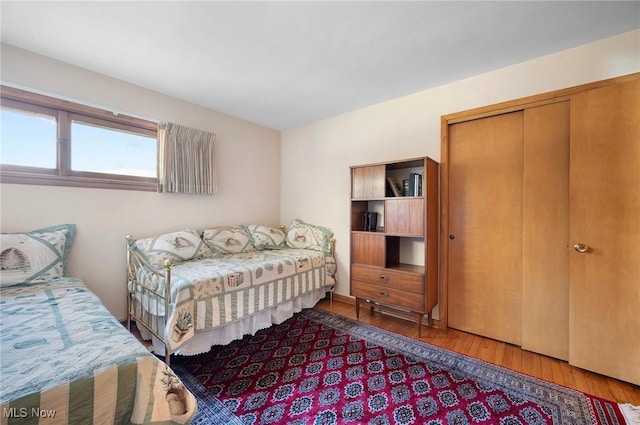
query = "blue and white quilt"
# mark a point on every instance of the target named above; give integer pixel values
(66, 358)
(211, 292)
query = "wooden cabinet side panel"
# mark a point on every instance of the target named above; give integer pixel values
(392, 249)
(431, 214)
(545, 231)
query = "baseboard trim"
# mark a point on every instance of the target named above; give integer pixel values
(344, 298)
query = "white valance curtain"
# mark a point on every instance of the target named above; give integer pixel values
(186, 160)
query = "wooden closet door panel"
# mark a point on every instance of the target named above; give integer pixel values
(604, 319)
(545, 231)
(485, 219)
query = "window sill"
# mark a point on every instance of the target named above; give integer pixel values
(13, 177)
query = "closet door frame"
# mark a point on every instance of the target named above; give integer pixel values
(562, 95)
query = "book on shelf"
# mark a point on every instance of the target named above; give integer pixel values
(415, 184)
(405, 188)
(394, 186)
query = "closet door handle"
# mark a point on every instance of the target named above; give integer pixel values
(581, 248)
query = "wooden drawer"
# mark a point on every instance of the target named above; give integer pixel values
(403, 281)
(387, 295)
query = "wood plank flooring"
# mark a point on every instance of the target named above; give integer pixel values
(500, 353)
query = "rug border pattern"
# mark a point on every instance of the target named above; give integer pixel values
(210, 409)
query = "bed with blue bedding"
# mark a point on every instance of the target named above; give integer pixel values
(64, 357)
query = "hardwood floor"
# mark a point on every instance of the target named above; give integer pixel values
(500, 353)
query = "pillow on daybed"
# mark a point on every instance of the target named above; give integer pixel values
(35, 256)
(265, 237)
(175, 246)
(228, 240)
(308, 236)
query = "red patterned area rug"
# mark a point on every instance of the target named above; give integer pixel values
(318, 368)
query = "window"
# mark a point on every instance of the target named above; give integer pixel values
(98, 147)
(37, 129)
(55, 142)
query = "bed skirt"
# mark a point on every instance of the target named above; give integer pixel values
(223, 335)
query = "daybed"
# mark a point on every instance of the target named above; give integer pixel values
(65, 358)
(191, 289)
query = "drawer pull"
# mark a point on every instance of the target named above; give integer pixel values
(384, 294)
(383, 277)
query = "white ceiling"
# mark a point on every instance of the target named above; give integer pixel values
(284, 64)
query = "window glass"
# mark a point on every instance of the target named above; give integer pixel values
(28, 139)
(105, 150)
(49, 141)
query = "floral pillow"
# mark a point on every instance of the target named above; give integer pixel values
(308, 236)
(228, 240)
(265, 237)
(176, 246)
(36, 256)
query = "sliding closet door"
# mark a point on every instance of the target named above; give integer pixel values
(605, 231)
(545, 230)
(485, 226)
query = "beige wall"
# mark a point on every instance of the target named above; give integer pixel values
(316, 157)
(248, 177)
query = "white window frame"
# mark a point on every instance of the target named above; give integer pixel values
(65, 113)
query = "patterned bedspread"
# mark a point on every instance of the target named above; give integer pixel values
(208, 293)
(65, 357)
